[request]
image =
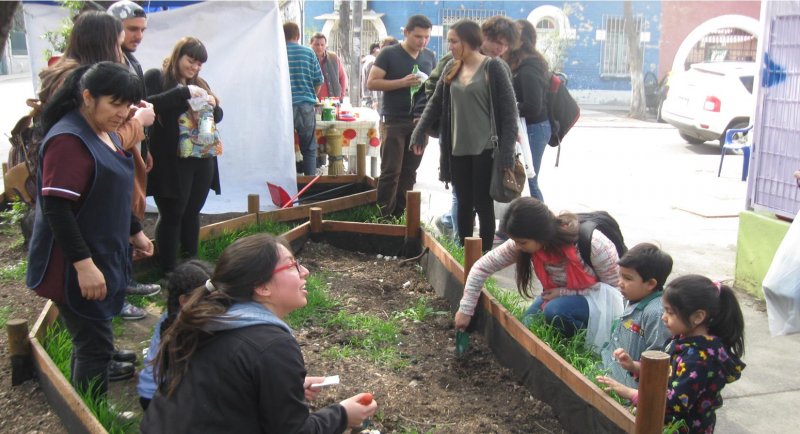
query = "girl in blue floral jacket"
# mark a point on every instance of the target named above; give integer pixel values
(706, 322)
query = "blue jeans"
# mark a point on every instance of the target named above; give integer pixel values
(450, 218)
(538, 136)
(568, 313)
(305, 123)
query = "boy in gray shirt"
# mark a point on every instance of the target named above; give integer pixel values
(643, 270)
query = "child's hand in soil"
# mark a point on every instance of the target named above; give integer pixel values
(623, 391)
(357, 412)
(462, 321)
(312, 392)
(624, 360)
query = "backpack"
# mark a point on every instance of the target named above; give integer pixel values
(23, 157)
(601, 220)
(562, 110)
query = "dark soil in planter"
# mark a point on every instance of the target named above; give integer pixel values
(23, 408)
(435, 392)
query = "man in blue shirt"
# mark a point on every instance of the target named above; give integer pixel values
(305, 76)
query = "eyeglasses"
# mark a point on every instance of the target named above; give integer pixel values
(295, 263)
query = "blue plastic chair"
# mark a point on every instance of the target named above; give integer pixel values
(733, 145)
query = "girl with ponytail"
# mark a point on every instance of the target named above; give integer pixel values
(229, 359)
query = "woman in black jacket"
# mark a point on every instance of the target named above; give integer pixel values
(531, 76)
(179, 185)
(473, 97)
(229, 363)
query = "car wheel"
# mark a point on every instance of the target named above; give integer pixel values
(736, 126)
(692, 140)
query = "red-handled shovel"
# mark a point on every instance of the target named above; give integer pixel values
(281, 198)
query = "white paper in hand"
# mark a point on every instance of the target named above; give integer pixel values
(329, 381)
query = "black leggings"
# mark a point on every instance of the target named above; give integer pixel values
(471, 177)
(179, 217)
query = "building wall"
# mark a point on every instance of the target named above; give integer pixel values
(679, 18)
(583, 58)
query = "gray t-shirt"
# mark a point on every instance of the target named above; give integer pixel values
(472, 124)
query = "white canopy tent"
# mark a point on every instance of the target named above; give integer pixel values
(247, 68)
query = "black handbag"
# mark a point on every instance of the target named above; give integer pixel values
(506, 185)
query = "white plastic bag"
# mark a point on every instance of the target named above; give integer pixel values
(782, 285)
(524, 148)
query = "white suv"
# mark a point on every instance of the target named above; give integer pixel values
(709, 98)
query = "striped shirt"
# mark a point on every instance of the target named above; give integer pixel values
(304, 73)
(604, 258)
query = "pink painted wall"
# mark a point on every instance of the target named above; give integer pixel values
(679, 18)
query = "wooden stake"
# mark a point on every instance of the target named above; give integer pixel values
(361, 160)
(19, 351)
(253, 203)
(473, 249)
(653, 377)
(413, 201)
(315, 217)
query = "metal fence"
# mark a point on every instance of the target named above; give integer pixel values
(448, 17)
(776, 146)
(724, 45)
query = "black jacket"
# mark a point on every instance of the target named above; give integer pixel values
(505, 116)
(247, 380)
(168, 104)
(531, 79)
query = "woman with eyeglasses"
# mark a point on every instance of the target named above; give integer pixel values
(231, 363)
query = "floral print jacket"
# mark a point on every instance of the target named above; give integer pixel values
(701, 367)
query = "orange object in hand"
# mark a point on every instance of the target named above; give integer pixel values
(365, 399)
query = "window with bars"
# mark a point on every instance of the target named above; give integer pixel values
(448, 17)
(614, 59)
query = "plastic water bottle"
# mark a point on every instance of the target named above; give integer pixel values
(206, 127)
(414, 89)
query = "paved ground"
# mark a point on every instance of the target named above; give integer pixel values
(660, 189)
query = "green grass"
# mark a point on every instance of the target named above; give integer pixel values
(366, 214)
(210, 250)
(419, 312)
(5, 315)
(320, 304)
(58, 344)
(14, 272)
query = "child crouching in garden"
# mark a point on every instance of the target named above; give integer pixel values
(707, 325)
(185, 278)
(643, 271)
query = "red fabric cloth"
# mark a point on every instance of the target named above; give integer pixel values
(577, 278)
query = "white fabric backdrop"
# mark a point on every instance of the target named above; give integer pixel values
(247, 68)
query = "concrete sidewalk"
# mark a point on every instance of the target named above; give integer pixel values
(664, 190)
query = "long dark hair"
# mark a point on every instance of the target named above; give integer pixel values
(101, 79)
(529, 218)
(527, 47)
(244, 265)
(724, 319)
(470, 33)
(184, 279)
(188, 46)
(94, 38)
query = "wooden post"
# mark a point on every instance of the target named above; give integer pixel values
(315, 218)
(653, 377)
(473, 249)
(19, 351)
(413, 201)
(253, 204)
(361, 161)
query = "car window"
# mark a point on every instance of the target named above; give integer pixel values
(747, 81)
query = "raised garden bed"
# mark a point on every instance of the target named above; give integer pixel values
(577, 403)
